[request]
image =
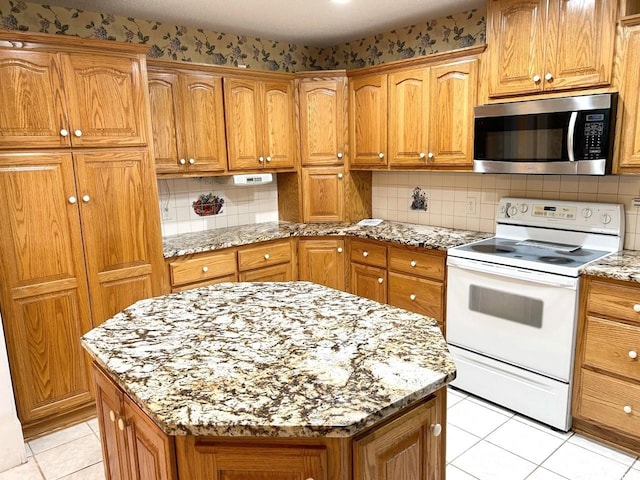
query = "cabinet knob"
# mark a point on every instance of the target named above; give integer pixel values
(365, 254)
(636, 307)
(205, 269)
(112, 415)
(627, 409)
(183, 161)
(86, 198)
(436, 429)
(430, 155)
(64, 132)
(422, 155)
(192, 161)
(72, 199)
(121, 424)
(413, 263)
(77, 133)
(536, 78)
(381, 155)
(261, 159)
(339, 155)
(633, 354)
(412, 297)
(267, 256)
(341, 176)
(268, 159)
(339, 249)
(548, 77)
(380, 279)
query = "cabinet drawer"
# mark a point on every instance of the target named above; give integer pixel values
(614, 300)
(603, 400)
(612, 346)
(203, 267)
(424, 264)
(369, 253)
(416, 295)
(264, 255)
(276, 273)
(225, 278)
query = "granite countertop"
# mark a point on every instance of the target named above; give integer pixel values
(270, 359)
(623, 265)
(437, 238)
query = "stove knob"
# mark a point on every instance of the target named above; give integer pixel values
(513, 211)
(586, 212)
(606, 219)
(524, 207)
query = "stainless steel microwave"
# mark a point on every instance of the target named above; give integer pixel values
(570, 135)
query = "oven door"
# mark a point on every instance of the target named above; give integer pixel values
(521, 317)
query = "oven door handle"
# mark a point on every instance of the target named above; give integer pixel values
(514, 273)
(571, 133)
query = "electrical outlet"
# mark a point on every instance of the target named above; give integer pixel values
(471, 205)
(635, 202)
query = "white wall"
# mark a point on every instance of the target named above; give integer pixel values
(449, 194)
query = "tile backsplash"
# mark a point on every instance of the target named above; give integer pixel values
(469, 201)
(242, 205)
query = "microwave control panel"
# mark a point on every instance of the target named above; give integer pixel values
(594, 143)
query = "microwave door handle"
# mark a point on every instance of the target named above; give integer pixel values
(571, 135)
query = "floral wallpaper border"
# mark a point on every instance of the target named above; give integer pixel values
(198, 45)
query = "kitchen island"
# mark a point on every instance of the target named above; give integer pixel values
(270, 381)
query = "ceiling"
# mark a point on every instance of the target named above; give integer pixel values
(319, 23)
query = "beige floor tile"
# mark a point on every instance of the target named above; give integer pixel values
(69, 458)
(93, 425)
(26, 471)
(59, 438)
(94, 472)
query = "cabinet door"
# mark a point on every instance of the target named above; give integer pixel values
(109, 405)
(167, 122)
(106, 100)
(580, 43)
(243, 115)
(204, 123)
(516, 39)
(32, 104)
(44, 289)
(454, 92)
(322, 261)
(368, 121)
(279, 135)
(369, 282)
(119, 215)
(323, 194)
(630, 96)
(322, 122)
(151, 452)
(404, 449)
(408, 117)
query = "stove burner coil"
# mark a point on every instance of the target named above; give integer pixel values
(493, 249)
(555, 260)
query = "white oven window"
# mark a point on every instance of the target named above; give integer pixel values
(508, 306)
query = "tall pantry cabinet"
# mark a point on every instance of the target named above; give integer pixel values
(80, 236)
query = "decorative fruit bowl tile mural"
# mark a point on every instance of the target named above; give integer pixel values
(208, 204)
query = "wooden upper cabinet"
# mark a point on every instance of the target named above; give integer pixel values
(323, 194)
(43, 291)
(167, 122)
(409, 117)
(629, 158)
(259, 120)
(539, 46)
(322, 121)
(106, 100)
(368, 121)
(33, 110)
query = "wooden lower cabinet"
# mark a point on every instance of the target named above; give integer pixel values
(606, 395)
(322, 261)
(268, 262)
(277, 273)
(369, 282)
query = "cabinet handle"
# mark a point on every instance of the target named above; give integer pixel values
(339, 155)
(422, 155)
(192, 161)
(268, 159)
(412, 297)
(536, 78)
(636, 307)
(548, 77)
(339, 249)
(381, 155)
(77, 133)
(413, 263)
(436, 429)
(633, 354)
(430, 155)
(261, 159)
(112, 415)
(183, 161)
(72, 199)
(267, 256)
(340, 176)
(121, 424)
(365, 254)
(380, 279)
(86, 198)
(205, 269)
(64, 132)
(627, 409)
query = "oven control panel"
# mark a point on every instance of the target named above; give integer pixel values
(570, 215)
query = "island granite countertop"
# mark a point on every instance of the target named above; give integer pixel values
(623, 265)
(291, 359)
(408, 234)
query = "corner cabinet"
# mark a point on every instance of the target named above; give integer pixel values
(260, 123)
(543, 46)
(323, 261)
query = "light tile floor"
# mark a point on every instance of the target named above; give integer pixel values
(484, 442)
